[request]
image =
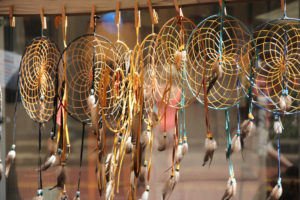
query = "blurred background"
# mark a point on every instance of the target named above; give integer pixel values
(255, 169)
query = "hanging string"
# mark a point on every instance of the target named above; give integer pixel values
(80, 162)
(237, 91)
(15, 115)
(40, 185)
(221, 32)
(227, 129)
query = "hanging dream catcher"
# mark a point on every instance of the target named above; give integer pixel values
(278, 73)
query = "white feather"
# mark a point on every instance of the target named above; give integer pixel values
(210, 144)
(248, 127)
(185, 147)
(230, 189)
(285, 102)
(179, 153)
(145, 194)
(132, 177)
(108, 192)
(91, 101)
(9, 160)
(236, 145)
(278, 127)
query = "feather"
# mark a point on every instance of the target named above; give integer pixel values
(169, 186)
(145, 194)
(61, 180)
(230, 189)
(276, 192)
(108, 191)
(49, 162)
(179, 153)
(51, 145)
(217, 73)
(94, 110)
(77, 197)
(145, 138)
(285, 102)
(236, 145)
(185, 146)
(9, 160)
(128, 145)
(162, 142)
(248, 127)
(277, 126)
(180, 56)
(132, 177)
(64, 196)
(210, 147)
(1, 169)
(143, 172)
(39, 195)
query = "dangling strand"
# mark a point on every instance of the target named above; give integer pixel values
(80, 163)
(11, 155)
(236, 145)
(230, 190)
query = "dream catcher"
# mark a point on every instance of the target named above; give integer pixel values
(144, 67)
(171, 92)
(278, 75)
(219, 51)
(114, 101)
(80, 69)
(37, 84)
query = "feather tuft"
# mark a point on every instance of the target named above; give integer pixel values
(162, 142)
(108, 192)
(236, 145)
(179, 153)
(210, 147)
(276, 192)
(277, 125)
(169, 186)
(9, 160)
(143, 173)
(128, 145)
(185, 146)
(230, 189)
(49, 162)
(285, 102)
(145, 194)
(180, 56)
(248, 127)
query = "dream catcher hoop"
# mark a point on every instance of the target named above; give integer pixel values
(278, 74)
(220, 68)
(38, 85)
(82, 63)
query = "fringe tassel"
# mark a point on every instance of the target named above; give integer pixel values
(210, 147)
(230, 189)
(162, 142)
(10, 159)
